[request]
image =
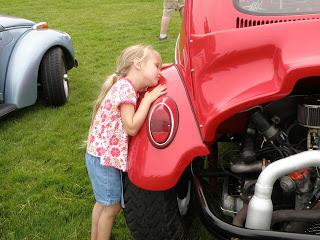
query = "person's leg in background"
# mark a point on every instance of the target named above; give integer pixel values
(181, 7)
(168, 9)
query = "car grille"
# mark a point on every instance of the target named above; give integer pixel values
(242, 22)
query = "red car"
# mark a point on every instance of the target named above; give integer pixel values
(238, 134)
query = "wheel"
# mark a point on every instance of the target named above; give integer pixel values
(156, 215)
(54, 78)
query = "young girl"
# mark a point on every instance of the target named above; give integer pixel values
(114, 118)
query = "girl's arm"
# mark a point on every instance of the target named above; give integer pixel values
(132, 121)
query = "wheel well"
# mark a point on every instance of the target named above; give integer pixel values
(309, 85)
(181, 187)
(69, 61)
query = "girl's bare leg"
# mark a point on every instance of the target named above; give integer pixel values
(106, 220)
(96, 212)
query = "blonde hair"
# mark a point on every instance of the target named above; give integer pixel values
(123, 66)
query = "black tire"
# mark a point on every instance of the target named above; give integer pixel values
(52, 72)
(152, 215)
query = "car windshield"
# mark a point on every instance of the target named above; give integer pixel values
(279, 6)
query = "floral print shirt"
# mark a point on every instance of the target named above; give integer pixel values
(107, 138)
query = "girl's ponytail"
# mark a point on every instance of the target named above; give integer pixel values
(104, 90)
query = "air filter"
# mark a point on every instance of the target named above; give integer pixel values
(309, 115)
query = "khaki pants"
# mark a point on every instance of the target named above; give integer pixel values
(169, 6)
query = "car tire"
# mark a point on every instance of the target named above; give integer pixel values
(153, 214)
(54, 78)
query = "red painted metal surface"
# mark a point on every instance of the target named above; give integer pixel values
(237, 61)
(159, 169)
(229, 61)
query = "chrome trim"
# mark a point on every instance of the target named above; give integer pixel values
(65, 84)
(184, 204)
(172, 124)
(176, 49)
(15, 27)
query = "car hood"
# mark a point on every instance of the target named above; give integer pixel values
(8, 21)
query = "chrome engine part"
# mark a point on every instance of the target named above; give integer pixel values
(230, 204)
(261, 204)
(309, 115)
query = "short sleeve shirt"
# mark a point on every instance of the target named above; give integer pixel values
(107, 138)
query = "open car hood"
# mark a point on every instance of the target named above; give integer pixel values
(8, 21)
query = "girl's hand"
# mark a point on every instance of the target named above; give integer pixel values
(155, 93)
(133, 120)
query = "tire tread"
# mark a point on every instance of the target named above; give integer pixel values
(152, 215)
(52, 69)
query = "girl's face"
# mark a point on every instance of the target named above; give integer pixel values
(150, 68)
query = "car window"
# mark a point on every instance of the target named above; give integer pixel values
(279, 6)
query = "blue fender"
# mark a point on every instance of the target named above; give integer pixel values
(23, 67)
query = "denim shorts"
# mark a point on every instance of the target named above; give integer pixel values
(106, 182)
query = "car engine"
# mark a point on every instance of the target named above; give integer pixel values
(276, 131)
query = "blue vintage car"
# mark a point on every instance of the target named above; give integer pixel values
(34, 63)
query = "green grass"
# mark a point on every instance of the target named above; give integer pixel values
(44, 189)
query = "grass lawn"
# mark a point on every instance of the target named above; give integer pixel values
(45, 192)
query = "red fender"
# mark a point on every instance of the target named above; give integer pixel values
(156, 169)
